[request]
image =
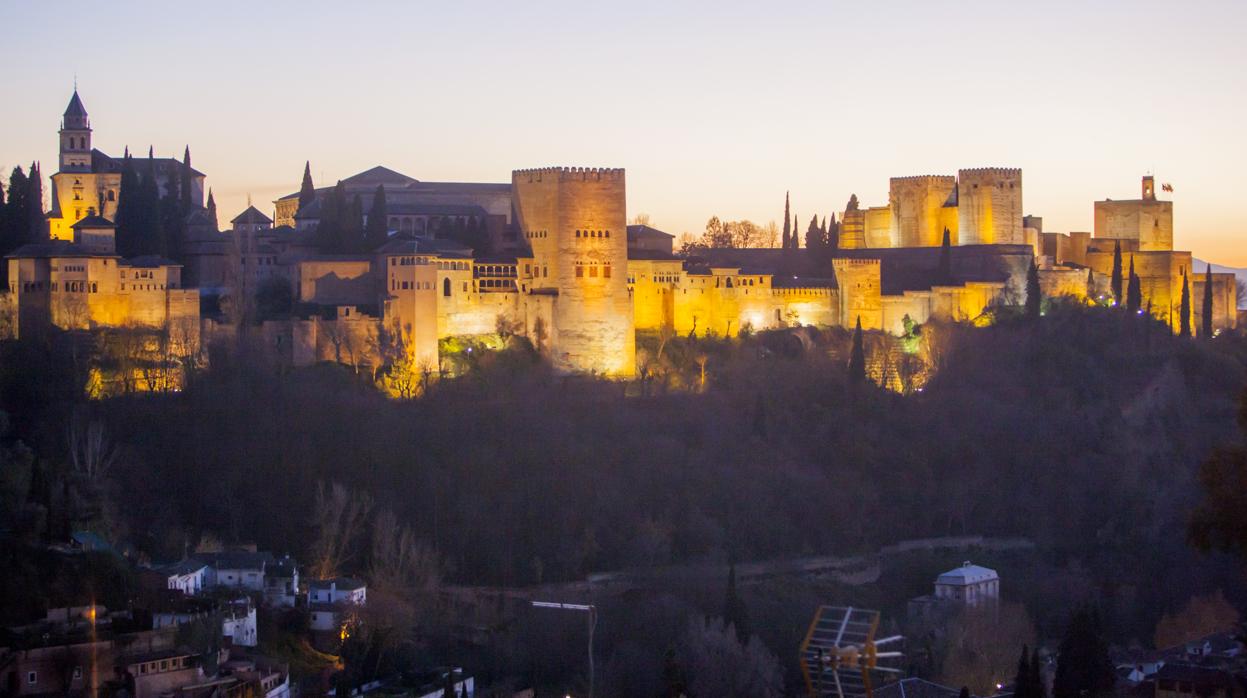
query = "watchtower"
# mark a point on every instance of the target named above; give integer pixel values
(989, 206)
(575, 221)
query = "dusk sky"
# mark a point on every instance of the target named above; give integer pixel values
(713, 108)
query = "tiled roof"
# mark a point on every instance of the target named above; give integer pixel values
(252, 216)
(636, 232)
(94, 222)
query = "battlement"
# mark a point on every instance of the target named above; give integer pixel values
(924, 179)
(854, 262)
(570, 174)
(1006, 172)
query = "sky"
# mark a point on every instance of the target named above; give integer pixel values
(714, 108)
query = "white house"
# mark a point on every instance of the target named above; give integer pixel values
(188, 576)
(968, 584)
(238, 623)
(237, 569)
(328, 600)
(337, 590)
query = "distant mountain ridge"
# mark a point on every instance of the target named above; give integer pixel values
(1240, 272)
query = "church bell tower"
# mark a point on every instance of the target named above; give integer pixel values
(75, 137)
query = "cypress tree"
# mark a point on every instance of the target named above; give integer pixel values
(35, 222)
(150, 239)
(1206, 322)
(946, 258)
(211, 207)
(1021, 680)
(1134, 291)
(794, 242)
(353, 228)
(128, 196)
(814, 236)
(377, 226)
(1034, 294)
(1091, 289)
(1117, 297)
(787, 224)
(6, 245)
(833, 233)
(186, 178)
(734, 611)
(1036, 676)
(17, 211)
(307, 192)
(329, 227)
(1184, 310)
(1084, 669)
(965, 692)
(857, 355)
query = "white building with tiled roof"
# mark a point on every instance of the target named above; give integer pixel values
(969, 584)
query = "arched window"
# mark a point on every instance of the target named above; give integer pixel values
(446, 287)
(112, 195)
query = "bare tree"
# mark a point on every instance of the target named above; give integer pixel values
(91, 452)
(401, 562)
(338, 518)
(640, 219)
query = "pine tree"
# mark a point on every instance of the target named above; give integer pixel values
(375, 230)
(787, 225)
(857, 355)
(1116, 282)
(186, 178)
(946, 258)
(1184, 310)
(307, 192)
(1206, 322)
(1034, 294)
(1134, 291)
(734, 612)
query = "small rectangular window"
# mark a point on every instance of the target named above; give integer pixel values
(593, 271)
(32, 678)
(580, 271)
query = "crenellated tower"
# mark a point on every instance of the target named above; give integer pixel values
(989, 206)
(575, 221)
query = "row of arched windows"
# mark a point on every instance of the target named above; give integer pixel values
(593, 233)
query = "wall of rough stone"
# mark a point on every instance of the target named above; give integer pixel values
(860, 291)
(878, 227)
(582, 211)
(918, 210)
(1150, 222)
(989, 206)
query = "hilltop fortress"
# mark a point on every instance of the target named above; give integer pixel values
(565, 270)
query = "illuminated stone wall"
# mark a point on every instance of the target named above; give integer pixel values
(580, 214)
(918, 210)
(878, 227)
(989, 206)
(77, 193)
(860, 296)
(1224, 302)
(1148, 222)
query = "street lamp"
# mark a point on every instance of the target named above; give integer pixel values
(593, 621)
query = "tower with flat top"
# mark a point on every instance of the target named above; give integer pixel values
(575, 221)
